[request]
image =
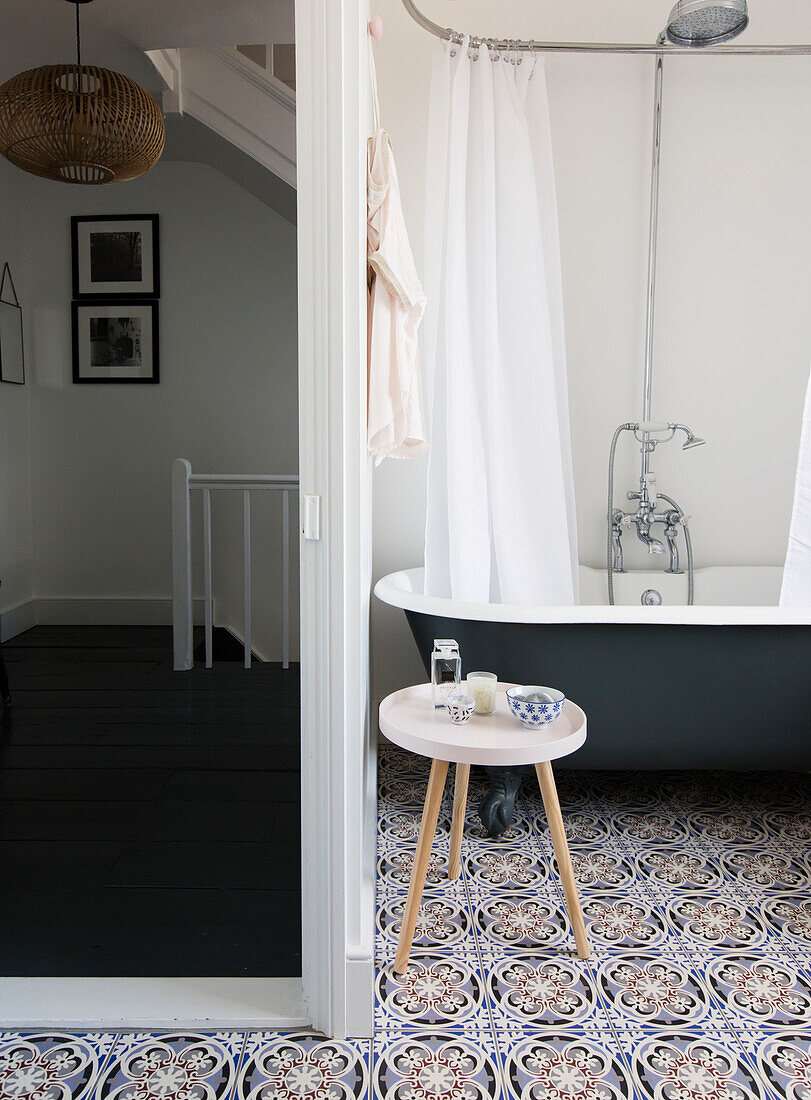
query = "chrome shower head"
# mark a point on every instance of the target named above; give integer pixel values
(692, 441)
(698, 23)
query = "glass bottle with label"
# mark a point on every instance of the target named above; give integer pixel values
(446, 670)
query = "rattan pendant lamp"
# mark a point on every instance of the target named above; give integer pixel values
(79, 123)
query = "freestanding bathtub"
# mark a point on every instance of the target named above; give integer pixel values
(724, 684)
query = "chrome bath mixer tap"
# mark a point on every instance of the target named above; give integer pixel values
(649, 435)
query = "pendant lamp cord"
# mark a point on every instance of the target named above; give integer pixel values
(78, 37)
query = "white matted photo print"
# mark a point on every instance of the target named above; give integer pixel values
(115, 341)
(115, 256)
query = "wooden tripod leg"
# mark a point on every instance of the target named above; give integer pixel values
(430, 814)
(458, 819)
(549, 794)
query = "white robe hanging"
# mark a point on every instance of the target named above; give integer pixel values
(396, 305)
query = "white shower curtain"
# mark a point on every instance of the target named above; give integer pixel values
(796, 587)
(500, 523)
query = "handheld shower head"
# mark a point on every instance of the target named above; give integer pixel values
(692, 441)
(697, 23)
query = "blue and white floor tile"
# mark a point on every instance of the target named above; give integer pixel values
(179, 1063)
(443, 923)
(783, 1060)
(303, 1065)
(696, 891)
(52, 1064)
(562, 1065)
(691, 1064)
(757, 991)
(554, 991)
(437, 990)
(434, 1064)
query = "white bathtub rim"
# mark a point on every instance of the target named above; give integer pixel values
(404, 589)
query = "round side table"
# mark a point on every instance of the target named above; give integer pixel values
(409, 719)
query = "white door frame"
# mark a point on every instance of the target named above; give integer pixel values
(338, 764)
(338, 754)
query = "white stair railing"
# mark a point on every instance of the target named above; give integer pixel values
(184, 482)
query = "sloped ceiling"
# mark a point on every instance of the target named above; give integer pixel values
(115, 34)
(38, 31)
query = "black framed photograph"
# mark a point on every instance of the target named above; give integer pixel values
(115, 341)
(116, 256)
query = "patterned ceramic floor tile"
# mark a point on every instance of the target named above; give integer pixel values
(401, 828)
(668, 870)
(301, 1066)
(394, 871)
(627, 791)
(443, 925)
(691, 1065)
(575, 788)
(789, 827)
(695, 889)
(695, 790)
(437, 990)
(658, 827)
(172, 1065)
(775, 790)
(393, 761)
(790, 916)
(583, 828)
(601, 869)
(718, 828)
(553, 991)
(718, 921)
(564, 1066)
(783, 1060)
(654, 989)
(521, 832)
(402, 792)
(623, 919)
(51, 1064)
(760, 991)
(758, 870)
(436, 1064)
(507, 868)
(532, 920)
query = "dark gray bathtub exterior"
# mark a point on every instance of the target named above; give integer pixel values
(657, 696)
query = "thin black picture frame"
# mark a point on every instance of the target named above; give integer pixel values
(3, 367)
(91, 295)
(154, 305)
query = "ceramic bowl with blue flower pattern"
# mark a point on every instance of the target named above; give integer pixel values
(535, 706)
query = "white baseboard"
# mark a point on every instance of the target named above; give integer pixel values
(360, 978)
(90, 611)
(151, 1002)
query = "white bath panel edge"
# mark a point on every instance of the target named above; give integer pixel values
(151, 1002)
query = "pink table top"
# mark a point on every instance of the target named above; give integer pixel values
(409, 719)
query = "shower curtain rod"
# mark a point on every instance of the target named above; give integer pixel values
(450, 35)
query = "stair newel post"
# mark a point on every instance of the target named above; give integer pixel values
(181, 566)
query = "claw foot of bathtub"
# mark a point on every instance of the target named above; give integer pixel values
(497, 808)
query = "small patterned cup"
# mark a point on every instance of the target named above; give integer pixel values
(459, 708)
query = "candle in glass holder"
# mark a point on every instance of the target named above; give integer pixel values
(481, 686)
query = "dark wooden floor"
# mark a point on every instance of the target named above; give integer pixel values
(149, 819)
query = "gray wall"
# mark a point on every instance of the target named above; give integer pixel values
(227, 400)
(15, 420)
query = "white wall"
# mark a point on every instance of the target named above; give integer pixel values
(101, 455)
(733, 337)
(15, 421)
